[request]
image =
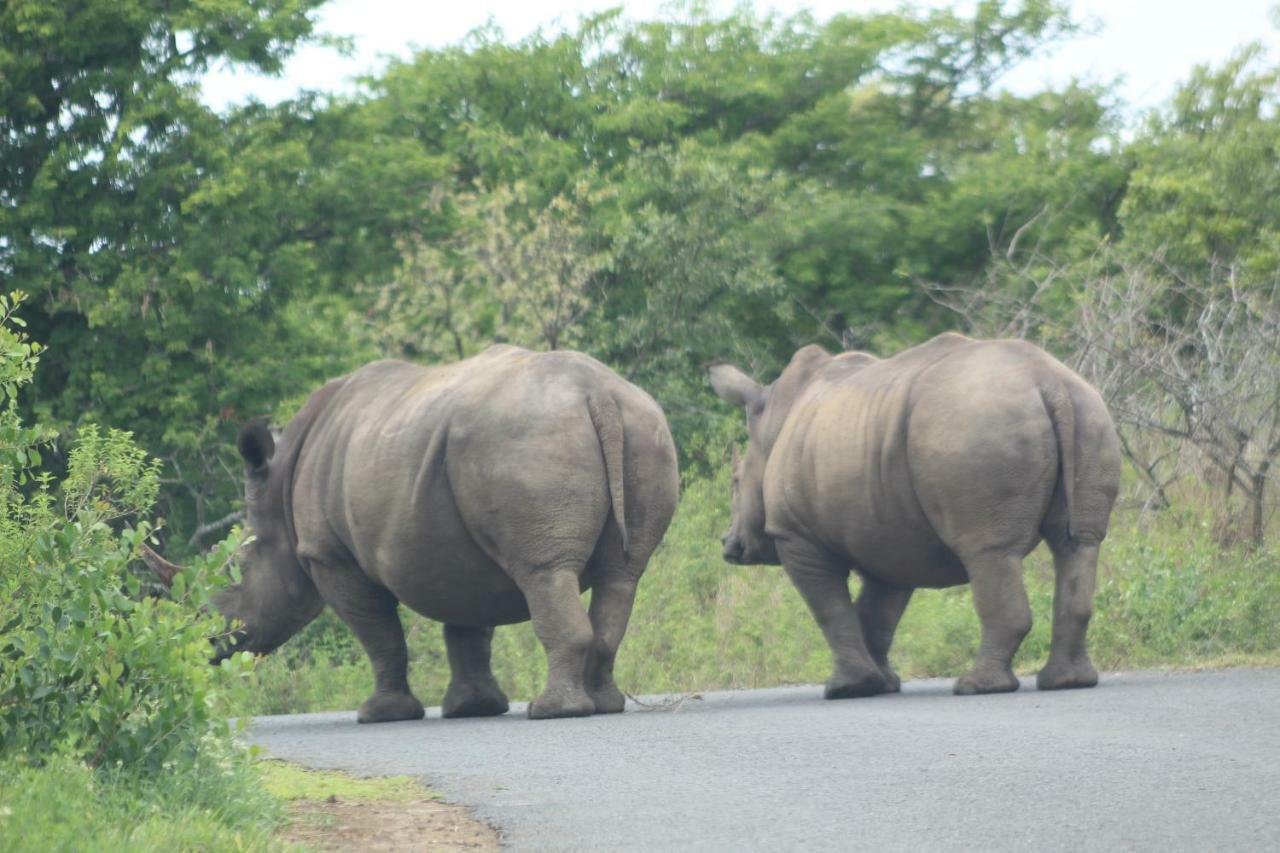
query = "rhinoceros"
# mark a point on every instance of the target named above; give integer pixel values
(945, 464)
(481, 493)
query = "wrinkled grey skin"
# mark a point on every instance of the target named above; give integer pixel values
(946, 464)
(480, 493)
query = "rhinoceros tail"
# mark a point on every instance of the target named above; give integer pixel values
(608, 423)
(1063, 415)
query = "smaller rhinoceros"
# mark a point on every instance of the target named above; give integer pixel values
(943, 465)
(480, 493)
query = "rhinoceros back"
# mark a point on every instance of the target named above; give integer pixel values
(438, 482)
(904, 465)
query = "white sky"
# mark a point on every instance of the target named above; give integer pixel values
(1149, 45)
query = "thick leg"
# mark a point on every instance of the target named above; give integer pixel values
(473, 691)
(561, 623)
(880, 607)
(372, 614)
(824, 585)
(1075, 573)
(1001, 601)
(611, 601)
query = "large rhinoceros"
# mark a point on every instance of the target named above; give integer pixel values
(480, 493)
(945, 464)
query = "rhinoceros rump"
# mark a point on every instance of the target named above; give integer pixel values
(945, 464)
(479, 494)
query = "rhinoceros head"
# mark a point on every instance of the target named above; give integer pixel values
(767, 408)
(746, 541)
(275, 597)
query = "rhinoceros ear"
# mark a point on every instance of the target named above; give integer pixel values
(734, 386)
(256, 445)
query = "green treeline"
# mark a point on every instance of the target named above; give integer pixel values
(659, 194)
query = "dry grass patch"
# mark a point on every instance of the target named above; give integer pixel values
(334, 811)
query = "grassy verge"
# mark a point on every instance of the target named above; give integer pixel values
(289, 782)
(1168, 596)
(65, 806)
(232, 805)
(334, 811)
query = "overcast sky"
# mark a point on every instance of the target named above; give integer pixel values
(1149, 45)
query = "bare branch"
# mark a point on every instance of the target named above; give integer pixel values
(214, 526)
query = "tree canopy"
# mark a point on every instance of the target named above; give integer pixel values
(657, 193)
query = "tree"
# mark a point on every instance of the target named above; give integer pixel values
(1204, 184)
(692, 277)
(509, 273)
(185, 265)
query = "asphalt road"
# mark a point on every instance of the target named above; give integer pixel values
(1145, 761)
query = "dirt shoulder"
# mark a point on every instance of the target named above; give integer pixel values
(334, 811)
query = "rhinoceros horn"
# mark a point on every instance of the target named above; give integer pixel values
(162, 567)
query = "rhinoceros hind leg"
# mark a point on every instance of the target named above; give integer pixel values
(562, 626)
(880, 607)
(612, 596)
(824, 585)
(1075, 573)
(473, 691)
(1001, 601)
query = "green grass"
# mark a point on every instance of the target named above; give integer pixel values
(230, 804)
(290, 782)
(1168, 596)
(65, 806)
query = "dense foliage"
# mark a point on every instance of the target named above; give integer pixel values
(112, 722)
(89, 666)
(713, 187)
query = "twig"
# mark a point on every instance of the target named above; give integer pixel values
(675, 703)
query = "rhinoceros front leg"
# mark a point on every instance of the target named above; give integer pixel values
(562, 626)
(371, 612)
(823, 582)
(1001, 602)
(473, 691)
(880, 608)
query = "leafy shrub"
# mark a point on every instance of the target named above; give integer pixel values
(90, 667)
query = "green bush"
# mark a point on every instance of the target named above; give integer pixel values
(92, 669)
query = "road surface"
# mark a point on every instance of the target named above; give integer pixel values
(1145, 761)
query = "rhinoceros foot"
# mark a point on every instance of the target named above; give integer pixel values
(986, 680)
(1063, 675)
(561, 703)
(470, 699)
(853, 685)
(607, 698)
(390, 708)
